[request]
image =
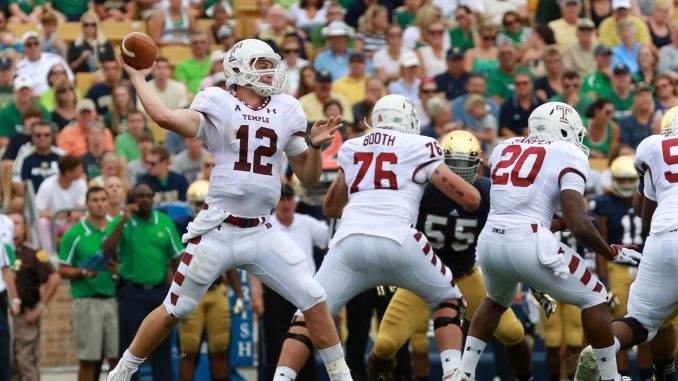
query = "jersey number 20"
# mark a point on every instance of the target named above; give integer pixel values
(515, 152)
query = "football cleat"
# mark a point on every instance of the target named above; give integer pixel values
(587, 367)
(547, 303)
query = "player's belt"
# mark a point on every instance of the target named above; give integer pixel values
(242, 222)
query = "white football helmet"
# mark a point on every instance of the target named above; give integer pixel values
(558, 121)
(395, 112)
(239, 67)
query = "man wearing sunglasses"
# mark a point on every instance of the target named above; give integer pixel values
(36, 63)
(579, 56)
(572, 94)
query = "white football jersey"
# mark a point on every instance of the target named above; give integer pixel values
(247, 145)
(526, 179)
(657, 161)
(386, 172)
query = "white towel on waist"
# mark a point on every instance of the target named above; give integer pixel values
(205, 221)
(548, 253)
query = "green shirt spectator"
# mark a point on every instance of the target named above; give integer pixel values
(191, 72)
(10, 118)
(500, 83)
(404, 18)
(126, 146)
(464, 42)
(596, 83)
(584, 102)
(145, 247)
(622, 107)
(26, 6)
(72, 9)
(81, 242)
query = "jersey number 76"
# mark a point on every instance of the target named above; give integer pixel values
(380, 174)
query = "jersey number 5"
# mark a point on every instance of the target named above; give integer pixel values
(670, 159)
(243, 134)
(365, 158)
(515, 152)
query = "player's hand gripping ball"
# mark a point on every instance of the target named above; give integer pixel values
(138, 50)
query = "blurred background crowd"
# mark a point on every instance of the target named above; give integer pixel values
(76, 144)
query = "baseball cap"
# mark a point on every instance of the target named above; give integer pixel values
(585, 24)
(28, 35)
(409, 59)
(5, 63)
(617, 4)
(286, 190)
(224, 32)
(323, 76)
(22, 81)
(337, 28)
(356, 56)
(642, 86)
(602, 50)
(85, 104)
(620, 68)
(455, 53)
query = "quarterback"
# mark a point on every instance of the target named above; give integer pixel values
(247, 129)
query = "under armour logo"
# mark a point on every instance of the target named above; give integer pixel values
(467, 374)
(219, 227)
(381, 118)
(467, 349)
(269, 110)
(603, 359)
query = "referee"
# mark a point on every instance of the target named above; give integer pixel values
(95, 310)
(146, 242)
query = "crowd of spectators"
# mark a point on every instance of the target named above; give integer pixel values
(481, 66)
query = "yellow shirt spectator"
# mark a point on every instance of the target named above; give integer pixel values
(610, 37)
(350, 88)
(565, 33)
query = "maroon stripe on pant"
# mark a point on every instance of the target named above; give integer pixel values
(434, 260)
(427, 248)
(598, 288)
(179, 278)
(574, 263)
(187, 258)
(586, 277)
(418, 236)
(174, 298)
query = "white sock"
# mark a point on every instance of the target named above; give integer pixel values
(607, 362)
(283, 373)
(333, 357)
(472, 351)
(131, 361)
(450, 358)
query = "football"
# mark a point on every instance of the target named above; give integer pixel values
(138, 50)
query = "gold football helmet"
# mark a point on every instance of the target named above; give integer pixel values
(462, 154)
(624, 176)
(196, 194)
(669, 121)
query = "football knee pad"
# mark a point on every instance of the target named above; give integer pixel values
(299, 336)
(640, 333)
(179, 307)
(444, 321)
(219, 342)
(189, 343)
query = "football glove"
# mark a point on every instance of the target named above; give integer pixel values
(625, 254)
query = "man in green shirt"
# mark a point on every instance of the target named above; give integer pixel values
(126, 143)
(500, 80)
(6, 79)
(146, 242)
(462, 35)
(25, 11)
(10, 115)
(69, 10)
(598, 81)
(95, 312)
(621, 93)
(572, 94)
(192, 70)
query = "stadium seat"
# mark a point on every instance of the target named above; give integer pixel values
(117, 30)
(19, 29)
(245, 23)
(204, 24)
(157, 131)
(175, 53)
(83, 81)
(68, 31)
(599, 164)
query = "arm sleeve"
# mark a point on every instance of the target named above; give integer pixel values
(296, 143)
(574, 181)
(648, 188)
